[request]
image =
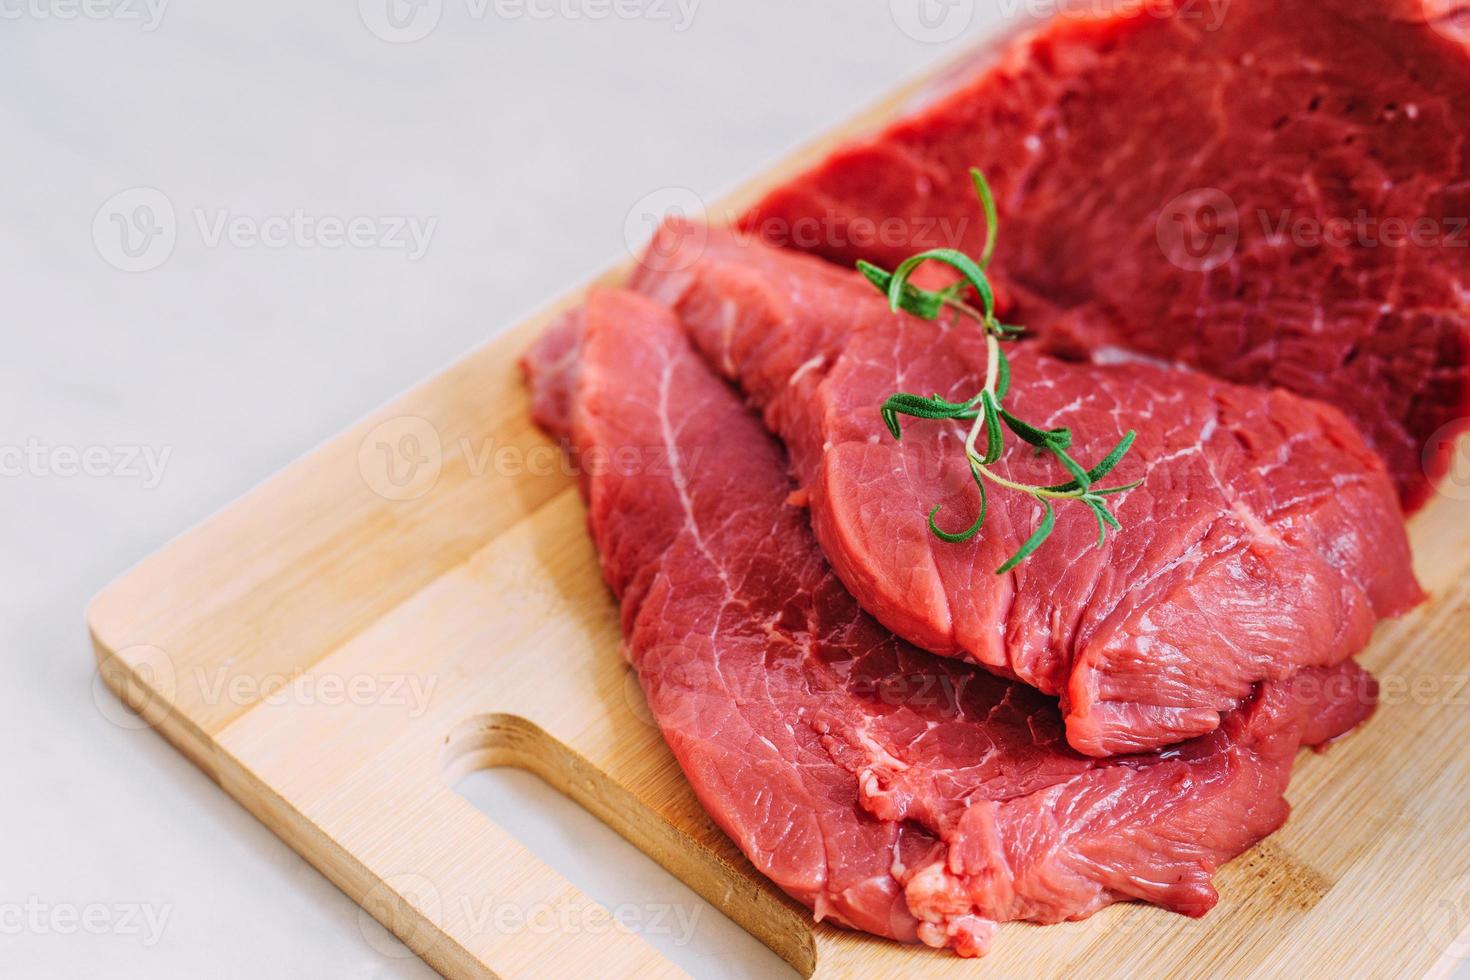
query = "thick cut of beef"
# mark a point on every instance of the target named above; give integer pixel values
(888, 790)
(1275, 193)
(1266, 537)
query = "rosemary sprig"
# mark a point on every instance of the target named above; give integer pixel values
(987, 409)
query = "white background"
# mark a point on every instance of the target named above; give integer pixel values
(529, 141)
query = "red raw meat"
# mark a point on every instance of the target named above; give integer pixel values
(888, 790)
(1266, 536)
(1275, 193)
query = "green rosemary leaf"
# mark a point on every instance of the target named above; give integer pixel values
(1040, 438)
(973, 529)
(1101, 514)
(1079, 475)
(890, 419)
(1104, 516)
(920, 302)
(960, 262)
(936, 407)
(958, 406)
(985, 409)
(929, 408)
(994, 439)
(1037, 539)
(1112, 459)
(992, 220)
(1102, 469)
(1110, 491)
(878, 277)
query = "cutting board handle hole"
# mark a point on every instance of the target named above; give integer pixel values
(524, 780)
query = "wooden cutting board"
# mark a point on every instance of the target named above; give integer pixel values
(418, 598)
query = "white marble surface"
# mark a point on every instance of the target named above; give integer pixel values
(526, 139)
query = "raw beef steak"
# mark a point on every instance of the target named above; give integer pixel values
(1266, 536)
(1275, 193)
(888, 790)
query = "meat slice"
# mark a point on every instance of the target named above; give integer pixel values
(1266, 536)
(886, 789)
(1275, 193)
